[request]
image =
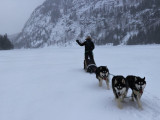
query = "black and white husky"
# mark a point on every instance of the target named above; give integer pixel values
(90, 66)
(137, 85)
(120, 89)
(102, 73)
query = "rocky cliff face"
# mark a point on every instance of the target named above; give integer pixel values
(107, 21)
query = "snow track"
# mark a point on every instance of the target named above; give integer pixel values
(50, 83)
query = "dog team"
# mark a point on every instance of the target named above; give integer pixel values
(120, 84)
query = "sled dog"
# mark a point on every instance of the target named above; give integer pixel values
(120, 89)
(90, 66)
(137, 85)
(102, 73)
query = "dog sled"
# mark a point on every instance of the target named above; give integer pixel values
(90, 66)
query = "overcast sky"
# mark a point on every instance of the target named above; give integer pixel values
(14, 14)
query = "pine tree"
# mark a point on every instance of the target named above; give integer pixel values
(5, 43)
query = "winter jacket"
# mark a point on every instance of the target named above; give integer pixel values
(89, 45)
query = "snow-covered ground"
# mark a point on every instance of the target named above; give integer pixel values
(50, 84)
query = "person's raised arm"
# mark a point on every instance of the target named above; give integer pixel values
(81, 44)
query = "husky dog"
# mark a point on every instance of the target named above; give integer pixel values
(90, 66)
(120, 89)
(102, 73)
(137, 85)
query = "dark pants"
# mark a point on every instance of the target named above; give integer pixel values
(88, 61)
(89, 55)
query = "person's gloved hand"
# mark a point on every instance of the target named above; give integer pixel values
(77, 41)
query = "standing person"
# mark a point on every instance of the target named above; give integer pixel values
(89, 46)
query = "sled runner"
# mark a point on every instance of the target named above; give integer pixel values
(90, 66)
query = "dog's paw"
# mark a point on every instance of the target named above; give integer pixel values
(120, 106)
(141, 108)
(132, 99)
(100, 83)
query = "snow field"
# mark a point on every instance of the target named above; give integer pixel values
(50, 83)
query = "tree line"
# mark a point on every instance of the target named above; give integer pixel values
(5, 43)
(150, 36)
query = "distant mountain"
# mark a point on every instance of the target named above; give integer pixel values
(107, 21)
(13, 37)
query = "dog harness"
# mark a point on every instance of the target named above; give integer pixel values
(90, 65)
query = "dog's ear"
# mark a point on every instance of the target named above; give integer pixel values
(100, 68)
(107, 73)
(115, 82)
(123, 81)
(144, 78)
(135, 78)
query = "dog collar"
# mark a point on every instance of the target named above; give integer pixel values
(90, 65)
